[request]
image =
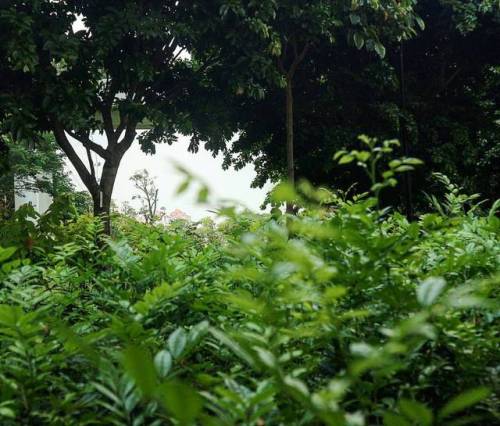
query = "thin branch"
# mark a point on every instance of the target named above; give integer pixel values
(177, 55)
(91, 163)
(88, 144)
(122, 126)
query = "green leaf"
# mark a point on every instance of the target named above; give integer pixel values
(283, 192)
(183, 187)
(181, 401)
(391, 419)
(413, 161)
(403, 168)
(7, 412)
(420, 22)
(359, 41)
(380, 49)
(339, 154)
(416, 411)
(198, 331)
(363, 156)
(139, 365)
(163, 363)
(429, 290)
(355, 19)
(464, 400)
(203, 195)
(266, 357)
(233, 345)
(346, 159)
(177, 342)
(6, 253)
(394, 163)
(297, 386)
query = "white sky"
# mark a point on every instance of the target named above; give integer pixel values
(224, 184)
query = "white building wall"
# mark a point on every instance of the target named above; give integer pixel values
(40, 201)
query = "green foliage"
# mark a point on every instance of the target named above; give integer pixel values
(34, 166)
(450, 113)
(345, 314)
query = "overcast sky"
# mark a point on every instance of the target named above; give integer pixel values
(224, 184)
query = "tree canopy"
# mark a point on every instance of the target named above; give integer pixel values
(119, 64)
(450, 70)
(266, 43)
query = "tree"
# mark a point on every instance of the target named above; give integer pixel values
(345, 92)
(38, 166)
(121, 67)
(82, 201)
(269, 41)
(128, 210)
(147, 195)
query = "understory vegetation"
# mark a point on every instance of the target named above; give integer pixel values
(344, 314)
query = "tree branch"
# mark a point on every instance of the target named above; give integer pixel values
(281, 59)
(62, 140)
(122, 126)
(88, 144)
(128, 138)
(107, 119)
(91, 163)
(174, 58)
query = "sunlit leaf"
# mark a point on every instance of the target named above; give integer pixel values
(464, 401)
(429, 290)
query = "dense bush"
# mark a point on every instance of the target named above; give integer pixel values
(342, 315)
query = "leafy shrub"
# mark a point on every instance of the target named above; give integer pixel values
(343, 315)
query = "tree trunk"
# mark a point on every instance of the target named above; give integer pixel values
(407, 183)
(100, 191)
(102, 207)
(289, 139)
(7, 202)
(102, 198)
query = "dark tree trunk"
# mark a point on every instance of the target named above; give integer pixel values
(7, 201)
(407, 182)
(289, 139)
(102, 197)
(102, 209)
(289, 73)
(4, 157)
